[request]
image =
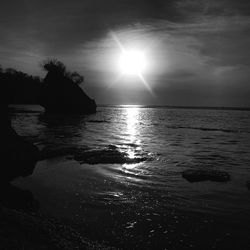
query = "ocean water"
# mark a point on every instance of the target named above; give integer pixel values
(147, 205)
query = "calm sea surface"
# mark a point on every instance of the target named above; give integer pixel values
(144, 205)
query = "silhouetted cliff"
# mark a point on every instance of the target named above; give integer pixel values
(61, 92)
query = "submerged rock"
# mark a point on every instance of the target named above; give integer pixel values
(108, 156)
(193, 175)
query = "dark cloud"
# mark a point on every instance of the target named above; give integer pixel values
(59, 25)
(192, 8)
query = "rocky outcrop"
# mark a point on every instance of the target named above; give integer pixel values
(59, 92)
(61, 95)
(18, 157)
(196, 175)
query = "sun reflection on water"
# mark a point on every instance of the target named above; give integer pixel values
(132, 117)
(132, 120)
(131, 154)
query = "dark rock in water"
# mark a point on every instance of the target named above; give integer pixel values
(18, 156)
(60, 94)
(205, 175)
(248, 184)
(108, 156)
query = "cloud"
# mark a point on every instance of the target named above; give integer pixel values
(196, 8)
(190, 44)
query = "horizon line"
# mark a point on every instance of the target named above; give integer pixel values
(174, 106)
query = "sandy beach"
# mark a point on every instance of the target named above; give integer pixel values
(74, 195)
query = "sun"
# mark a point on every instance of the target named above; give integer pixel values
(132, 62)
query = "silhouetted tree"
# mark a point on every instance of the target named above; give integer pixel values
(76, 78)
(61, 92)
(56, 67)
(19, 87)
(10, 71)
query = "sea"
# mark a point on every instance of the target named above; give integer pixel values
(146, 204)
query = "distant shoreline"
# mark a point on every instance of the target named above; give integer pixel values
(173, 107)
(151, 106)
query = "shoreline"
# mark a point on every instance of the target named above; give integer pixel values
(184, 229)
(21, 229)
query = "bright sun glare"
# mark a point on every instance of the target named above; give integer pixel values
(132, 62)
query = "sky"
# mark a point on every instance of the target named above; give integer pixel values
(196, 51)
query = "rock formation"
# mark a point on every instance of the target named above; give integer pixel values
(196, 175)
(61, 92)
(18, 156)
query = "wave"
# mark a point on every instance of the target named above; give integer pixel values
(97, 121)
(208, 129)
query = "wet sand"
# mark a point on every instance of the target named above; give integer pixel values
(72, 194)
